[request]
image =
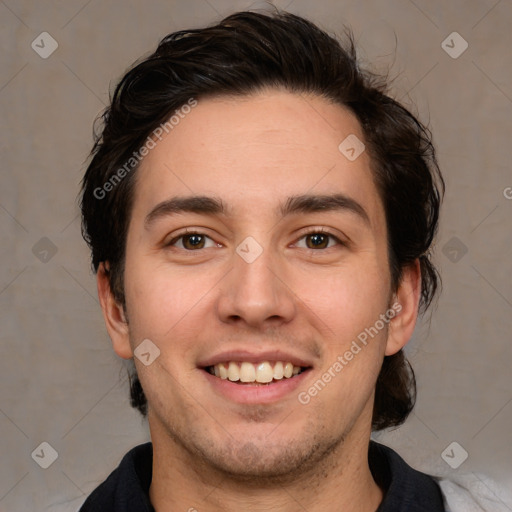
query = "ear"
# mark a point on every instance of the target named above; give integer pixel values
(405, 305)
(113, 313)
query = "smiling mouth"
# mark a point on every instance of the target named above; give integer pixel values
(263, 373)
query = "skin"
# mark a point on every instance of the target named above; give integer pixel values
(211, 453)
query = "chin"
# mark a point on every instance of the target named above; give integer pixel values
(260, 461)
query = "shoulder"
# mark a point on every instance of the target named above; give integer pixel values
(475, 492)
(127, 487)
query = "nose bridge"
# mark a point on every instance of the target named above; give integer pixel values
(255, 292)
(254, 270)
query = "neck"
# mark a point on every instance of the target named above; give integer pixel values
(341, 481)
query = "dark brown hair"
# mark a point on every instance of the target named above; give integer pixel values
(242, 54)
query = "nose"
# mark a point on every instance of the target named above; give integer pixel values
(257, 292)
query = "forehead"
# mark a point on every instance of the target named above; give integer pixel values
(256, 151)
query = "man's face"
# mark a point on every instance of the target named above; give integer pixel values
(210, 298)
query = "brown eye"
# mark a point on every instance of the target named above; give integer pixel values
(194, 241)
(191, 241)
(320, 239)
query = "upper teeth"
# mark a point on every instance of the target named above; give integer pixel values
(261, 372)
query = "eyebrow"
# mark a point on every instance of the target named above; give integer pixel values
(306, 203)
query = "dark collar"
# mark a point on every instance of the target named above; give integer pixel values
(127, 487)
(406, 490)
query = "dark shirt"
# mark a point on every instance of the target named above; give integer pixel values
(406, 490)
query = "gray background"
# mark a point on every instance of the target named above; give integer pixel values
(61, 381)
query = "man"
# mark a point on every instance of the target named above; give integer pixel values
(260, 215)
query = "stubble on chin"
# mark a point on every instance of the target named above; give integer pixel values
(261, 462)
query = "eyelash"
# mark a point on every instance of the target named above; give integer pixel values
(318, 231)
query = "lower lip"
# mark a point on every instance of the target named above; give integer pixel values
(255, 394)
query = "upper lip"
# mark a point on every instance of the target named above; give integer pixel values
(254, 357)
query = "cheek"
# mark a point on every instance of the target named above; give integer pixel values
(170, 306)
(346, 299)
(158, 299)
